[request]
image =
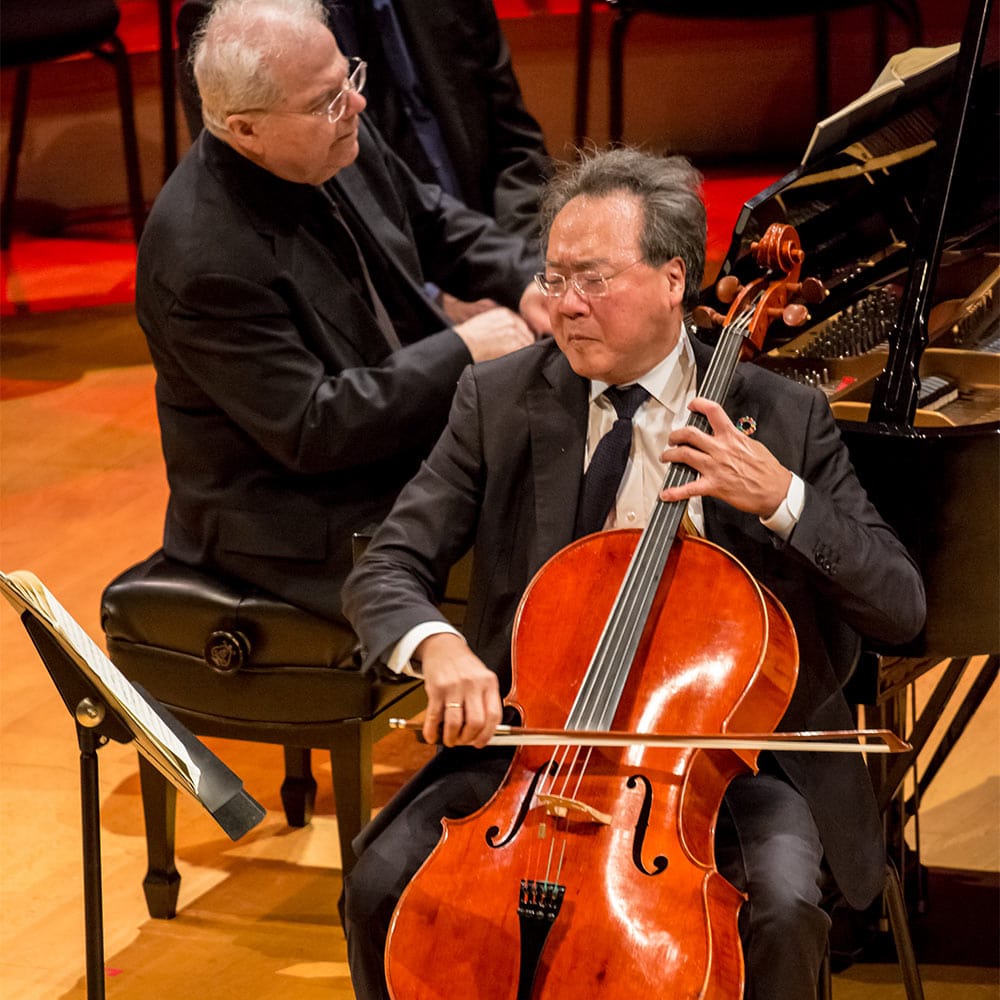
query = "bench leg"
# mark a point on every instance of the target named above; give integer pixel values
(159, 807)
(351, 762)
(298, 790)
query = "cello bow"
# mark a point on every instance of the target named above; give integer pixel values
(821, 741)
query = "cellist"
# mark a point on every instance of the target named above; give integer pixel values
(624, 233)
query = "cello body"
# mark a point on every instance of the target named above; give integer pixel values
(591, 874)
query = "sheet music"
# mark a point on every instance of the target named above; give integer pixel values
(905, 70)
(27, 593)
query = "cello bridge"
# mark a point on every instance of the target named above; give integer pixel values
(562, 807)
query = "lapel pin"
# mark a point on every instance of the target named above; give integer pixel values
(746, 425)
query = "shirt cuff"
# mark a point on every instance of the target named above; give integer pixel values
(400, 659)
(784, 519)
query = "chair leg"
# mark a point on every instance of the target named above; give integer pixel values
(298, 790)
(584, 45)
(168, 89)
(351, 761)
(159, 807)
(118, 58)
(893, 894)
(616, 73)
(19, 114)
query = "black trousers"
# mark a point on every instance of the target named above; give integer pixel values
(766, 845)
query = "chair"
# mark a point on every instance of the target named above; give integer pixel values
(895, 909)
(231, 661)
(820, 10)
(31, 33)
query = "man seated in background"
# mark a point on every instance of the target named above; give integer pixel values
(302, 372)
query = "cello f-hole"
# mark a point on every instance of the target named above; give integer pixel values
(642, 825)
(493, 832)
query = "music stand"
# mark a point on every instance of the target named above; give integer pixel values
(106, 706)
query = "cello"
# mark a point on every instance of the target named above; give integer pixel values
(590, 873)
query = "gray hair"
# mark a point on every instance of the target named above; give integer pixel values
(234, 51)
(670, 190)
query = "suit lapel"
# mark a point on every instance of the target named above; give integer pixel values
(346, 311)
(360, 208)
(557, 421)
(275, 208)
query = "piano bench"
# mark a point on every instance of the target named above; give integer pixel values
(229, 660)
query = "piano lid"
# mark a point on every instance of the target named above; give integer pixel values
(856, 204)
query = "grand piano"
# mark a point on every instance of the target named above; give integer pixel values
(896, 207)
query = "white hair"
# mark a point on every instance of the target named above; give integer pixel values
(236, 47)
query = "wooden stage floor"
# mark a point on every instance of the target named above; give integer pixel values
(83, 494)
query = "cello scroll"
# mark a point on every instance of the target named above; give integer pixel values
(770, 298)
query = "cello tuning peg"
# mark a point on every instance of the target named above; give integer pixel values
(794, 314)
(707, 318)
(728, 288)
(811, 290)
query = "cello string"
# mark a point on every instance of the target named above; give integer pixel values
(581, 772)
(607, 673)
(563, 770)
(558, 824)
(544, 787)
(666, 517)
(548, 867)
(556, 766)
(612, 660)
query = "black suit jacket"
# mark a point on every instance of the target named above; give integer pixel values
(505, 478)
(287, 420)
(464, 65)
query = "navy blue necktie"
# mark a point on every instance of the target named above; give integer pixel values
(607, 464)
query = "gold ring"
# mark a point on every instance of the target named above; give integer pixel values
(452, 704)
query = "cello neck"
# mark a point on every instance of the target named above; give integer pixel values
(715, 387)
(598, 697)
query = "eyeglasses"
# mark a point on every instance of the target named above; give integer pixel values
(589, 284)
(357, 73)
